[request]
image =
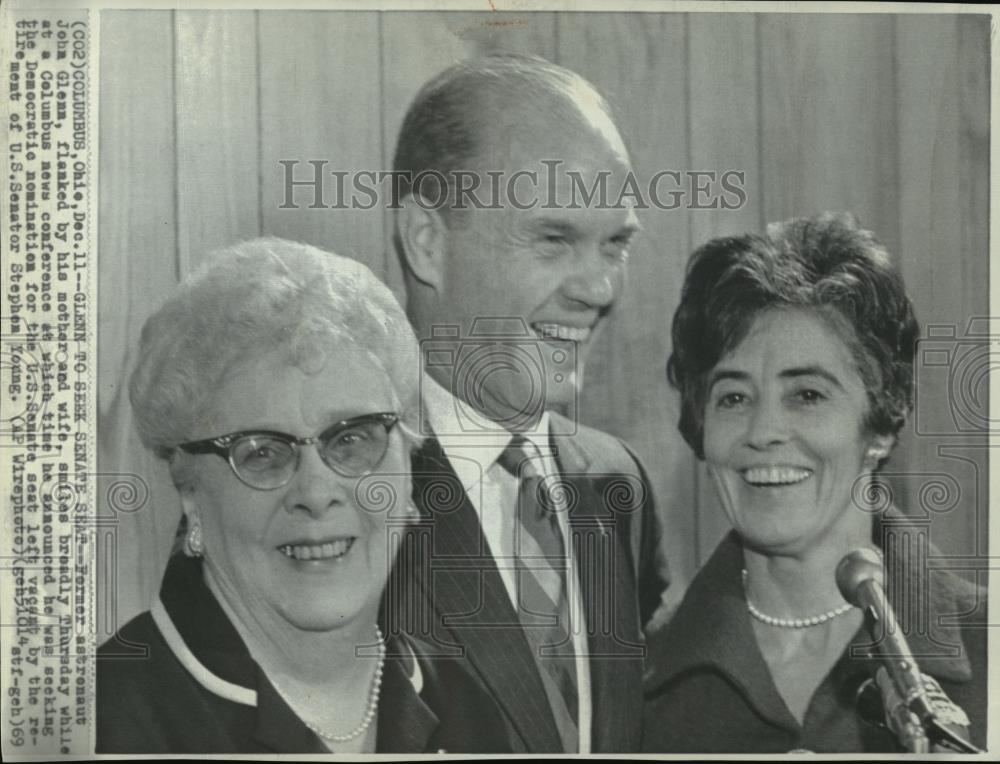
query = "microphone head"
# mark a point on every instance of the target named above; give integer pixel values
(857, 567)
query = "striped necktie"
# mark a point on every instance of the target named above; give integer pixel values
(542, 564)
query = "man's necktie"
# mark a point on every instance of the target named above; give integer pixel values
(542, 564)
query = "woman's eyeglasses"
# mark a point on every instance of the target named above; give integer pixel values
(266, 460)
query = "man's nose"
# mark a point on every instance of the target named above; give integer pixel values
(595, 280)
(315, 488)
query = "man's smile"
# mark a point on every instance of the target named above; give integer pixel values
(549, 330)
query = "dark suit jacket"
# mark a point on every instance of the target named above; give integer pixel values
(149, 702)
(447, 590)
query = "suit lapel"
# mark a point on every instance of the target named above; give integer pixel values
(600, 537)
(471, 604)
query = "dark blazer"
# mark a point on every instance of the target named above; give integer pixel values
(710, 691)
(149, 701)
(447, 590)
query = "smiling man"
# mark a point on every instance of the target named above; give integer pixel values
(512, 264)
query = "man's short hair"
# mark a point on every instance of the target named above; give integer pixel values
(443, 128)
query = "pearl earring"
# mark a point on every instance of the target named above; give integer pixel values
(874, 455)
(193, 544)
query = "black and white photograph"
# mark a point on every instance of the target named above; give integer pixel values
(497, 378)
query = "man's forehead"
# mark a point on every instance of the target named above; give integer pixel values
(610, 220)
(551, 158)
(553, 128)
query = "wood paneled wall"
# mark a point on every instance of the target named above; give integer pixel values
(886, 116)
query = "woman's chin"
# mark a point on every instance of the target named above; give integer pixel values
(772, 540)
(328, 614)
(327, 594)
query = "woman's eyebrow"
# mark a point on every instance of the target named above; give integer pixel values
(720, 374)
(811, 371)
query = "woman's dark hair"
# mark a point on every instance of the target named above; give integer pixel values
(828, 264)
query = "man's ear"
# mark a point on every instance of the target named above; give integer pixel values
(423, 235)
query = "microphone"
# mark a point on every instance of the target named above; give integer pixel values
(860, 579)
(913, 704)
(878, 704)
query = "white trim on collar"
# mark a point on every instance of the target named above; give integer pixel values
(416, 676)
(214, 684)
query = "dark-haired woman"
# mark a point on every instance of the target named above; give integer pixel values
(793, 354)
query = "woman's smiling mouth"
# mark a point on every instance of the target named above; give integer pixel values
(775, 475)
(327, 550)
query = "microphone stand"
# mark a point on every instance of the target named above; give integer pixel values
(950, 739)
(900, 719)
(909, 710)
(910, 714)
(915, 735)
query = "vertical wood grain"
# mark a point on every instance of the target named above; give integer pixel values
(943, 71)
(217, 131)
(319, 100)
(724, 128)
(828, 118)
(638, 63)
(417, 46)
(828, 121)
(886, 116)
(138, 267)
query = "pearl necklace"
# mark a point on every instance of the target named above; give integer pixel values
(792, 623)
(370, 711)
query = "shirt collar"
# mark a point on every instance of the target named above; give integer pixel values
(539, 436)
(471, 441)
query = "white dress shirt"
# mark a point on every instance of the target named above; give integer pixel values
(472, 444)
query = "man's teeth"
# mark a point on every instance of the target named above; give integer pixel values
(561, 332)
(327, 551)
(775, 475)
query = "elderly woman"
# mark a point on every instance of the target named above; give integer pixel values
(276, 383)
(793, 354)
